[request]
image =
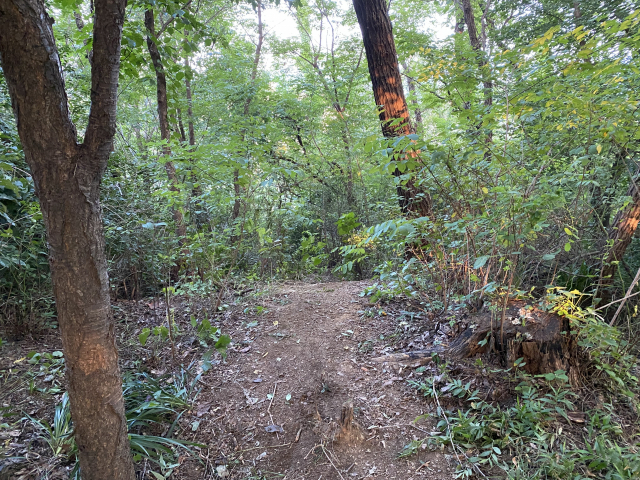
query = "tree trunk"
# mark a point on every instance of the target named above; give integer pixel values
(478, 44)
(187, 84)
(200, 215)
(542, 339)
(163, 118)
(621, 233)
(67, 181)
(414, 100)
(386, 81)
(237, 188)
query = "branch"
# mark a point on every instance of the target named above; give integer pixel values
(166, 24)
(107, 34)
(31, 66)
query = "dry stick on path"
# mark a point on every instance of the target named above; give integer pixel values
(330, 461)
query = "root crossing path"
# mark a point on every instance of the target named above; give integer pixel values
(299, 397)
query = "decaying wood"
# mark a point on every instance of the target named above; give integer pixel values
(349, 431)
(542, 339)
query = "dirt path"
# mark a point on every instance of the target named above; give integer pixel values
(295, 368)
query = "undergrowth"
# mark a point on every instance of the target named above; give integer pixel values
(153, 405)
(541, 434)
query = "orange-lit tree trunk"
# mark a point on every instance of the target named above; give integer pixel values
(67, 177)
(163, 117)
(386, 81)
(623, 228)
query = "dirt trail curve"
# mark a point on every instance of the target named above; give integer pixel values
(295, 369)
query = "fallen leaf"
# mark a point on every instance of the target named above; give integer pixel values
(202, 409)
(274, 429)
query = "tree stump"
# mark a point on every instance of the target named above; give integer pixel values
(542, 339)
(349, 431)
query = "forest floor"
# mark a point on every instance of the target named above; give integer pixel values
(271, 409)
(310, 354)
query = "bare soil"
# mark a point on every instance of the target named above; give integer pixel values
(296, 371)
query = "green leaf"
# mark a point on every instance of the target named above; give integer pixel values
(221, 345)
(144, 336)
(481, 261)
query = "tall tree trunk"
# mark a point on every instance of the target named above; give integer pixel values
(479, 45)
(200, 216)
(163, 117)
(414, 101)
(67, 181)
(187, 85)
(386, 81)
(237, 188)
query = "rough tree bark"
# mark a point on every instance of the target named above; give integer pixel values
(386, 81)
(67, 178)
(541, 338)
(163, 117)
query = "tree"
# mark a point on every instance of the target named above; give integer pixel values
(67, 177)
(163, 118)
(620, 234)
(386, 81)
(479, 45)
(237, 188)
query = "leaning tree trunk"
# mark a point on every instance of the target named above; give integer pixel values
(621, 233)
(386, 81)
(67, 181)
(163, 117)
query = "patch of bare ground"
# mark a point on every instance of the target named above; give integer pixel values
(299, 398)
